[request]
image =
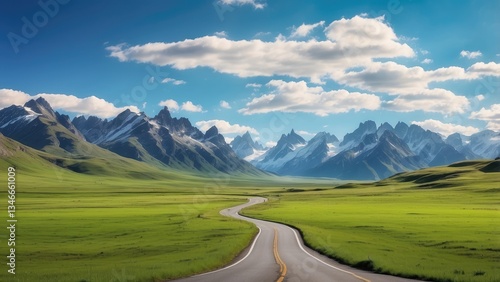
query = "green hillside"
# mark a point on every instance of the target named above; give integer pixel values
(439, 224)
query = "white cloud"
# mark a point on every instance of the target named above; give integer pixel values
(254, 85)
(253, 3)
(144, 105)
(225, 105)
(270, 144)
(13, 97)
(186, 106)
(351, 42)
(69, 103)
(87, 106)
(173, 81)
(170, 104)
(304, 29)
(480, 97)
(298, 97)
(190, 107)
(491, 115)
(350, 54)
(225, 127)
(446, 129)
(480, 69)
(470, 54)
(220, 34)
(429, 100)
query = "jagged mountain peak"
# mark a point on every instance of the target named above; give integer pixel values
(291, 138)
(327, 137)
(211, 132)
(383, 128)
(164, 117)
(352, 139)
(401, 129)
(40, 106)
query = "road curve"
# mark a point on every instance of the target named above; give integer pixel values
(278, 254)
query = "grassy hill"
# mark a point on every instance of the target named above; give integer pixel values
(439, 224)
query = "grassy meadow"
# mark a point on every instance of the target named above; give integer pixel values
(142, 223)
(74, 227)
(442, 226)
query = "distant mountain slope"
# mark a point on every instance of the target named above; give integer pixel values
(246, 148)
(27, 160)
(365, 155)
(164, 140)
(374, 158)
(284, 151)
(38, 126)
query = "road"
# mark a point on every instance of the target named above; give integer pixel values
(278, 254)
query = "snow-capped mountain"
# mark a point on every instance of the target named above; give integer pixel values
(317, 150)
(374, 153)
(285, 150)
(372, 158)
(37, 125)
(246, 148)
(485, 144)
(163, 140)
(351, 140)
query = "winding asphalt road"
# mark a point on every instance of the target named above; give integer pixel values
(278, 254)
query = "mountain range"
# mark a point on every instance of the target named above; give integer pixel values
(161, 141)
(371, 152)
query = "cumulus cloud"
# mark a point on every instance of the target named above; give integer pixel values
(298, 97)
(480, 97)
(446, 129)
(225, 105)
(190, 107)
(225, 127)
(470, 54)
(170, 104)
(304, 29)
(491, 115)
(350, 42)
(186, 106)
(173, 81)
(13, 97)
(69, 103)
(429, 100)
(350, 54)
(484, 69)
(270, 144)
(253, 3)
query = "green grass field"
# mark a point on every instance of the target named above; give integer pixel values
(121, 231)
(408, 229)
(146, 224)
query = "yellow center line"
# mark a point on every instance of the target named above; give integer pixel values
(277, 257)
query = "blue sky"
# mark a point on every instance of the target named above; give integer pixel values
(259, 65)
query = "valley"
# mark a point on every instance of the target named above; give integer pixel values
(141, 200)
